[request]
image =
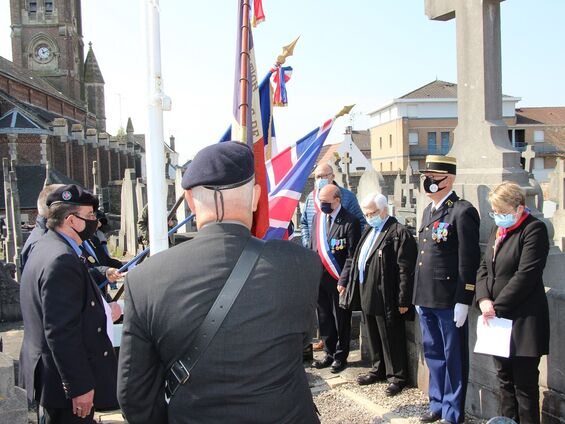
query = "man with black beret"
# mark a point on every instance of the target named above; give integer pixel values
(444, 287)
(67, 360)
(252, 369)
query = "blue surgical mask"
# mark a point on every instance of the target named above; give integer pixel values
(375, 221)
(504, 220)
(321, 183)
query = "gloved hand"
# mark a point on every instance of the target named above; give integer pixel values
(460, 314)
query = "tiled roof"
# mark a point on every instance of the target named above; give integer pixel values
(327, 154)
(362, 140)
(540, 116)
(437, 89)
(28, 78)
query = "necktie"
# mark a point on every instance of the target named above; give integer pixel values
(329, 223)
(433, 210)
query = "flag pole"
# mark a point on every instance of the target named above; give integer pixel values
(244, 69)
(157, 102)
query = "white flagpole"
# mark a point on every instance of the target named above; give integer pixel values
(157, 102)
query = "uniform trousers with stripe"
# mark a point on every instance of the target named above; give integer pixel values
(446, 351)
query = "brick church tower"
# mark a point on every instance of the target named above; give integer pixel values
(47, 40)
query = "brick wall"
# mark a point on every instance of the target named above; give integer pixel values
(77, 162)
(29, 149)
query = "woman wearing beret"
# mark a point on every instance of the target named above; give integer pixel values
(510, 285)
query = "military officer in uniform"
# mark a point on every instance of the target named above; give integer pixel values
(67, 359)
(444, 286)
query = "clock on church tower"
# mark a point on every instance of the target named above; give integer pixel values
(47, 39)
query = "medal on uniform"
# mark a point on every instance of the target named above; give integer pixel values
(333, 243)
(440, 231)
(91, 260)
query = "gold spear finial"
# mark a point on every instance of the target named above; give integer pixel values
(345, 110)
(287, 51)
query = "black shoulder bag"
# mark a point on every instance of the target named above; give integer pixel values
(179, 373)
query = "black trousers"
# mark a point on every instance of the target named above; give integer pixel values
(519, 390)
(62, 416)
(387, 346)
(335, 322)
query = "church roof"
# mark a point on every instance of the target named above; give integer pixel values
(129, 126)
(17, 120)
(26, 77)
(30, 182)
(92, 71)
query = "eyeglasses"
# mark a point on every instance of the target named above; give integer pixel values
(371, 214)
(90, 216)
(319, 177)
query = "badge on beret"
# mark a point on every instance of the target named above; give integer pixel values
(66, 195)
(91, 260)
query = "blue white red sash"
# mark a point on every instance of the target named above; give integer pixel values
(317, 203)
(327, 257)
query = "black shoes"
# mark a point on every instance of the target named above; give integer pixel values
(338, 366)
(430, 417)
(324, 363)
(369, 378)
(393, 389)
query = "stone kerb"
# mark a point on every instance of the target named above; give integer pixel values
(13, 400)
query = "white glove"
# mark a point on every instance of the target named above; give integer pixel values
(460, 314)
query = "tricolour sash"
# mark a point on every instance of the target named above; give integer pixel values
(324, 251)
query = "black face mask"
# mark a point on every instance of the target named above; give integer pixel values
(326, 207)
(90, 227)
(432, 186)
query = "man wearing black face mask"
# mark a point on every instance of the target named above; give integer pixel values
(335, 234)
(67, 359)
(444, 286)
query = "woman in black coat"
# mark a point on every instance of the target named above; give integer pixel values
(510, 285)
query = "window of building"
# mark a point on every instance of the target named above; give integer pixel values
(413, 138)
(381, 143)
(390, 140)
(517, 138)
(32, 6)
(539, 136)
(432, 143)
(48, 6)
(390, 165)
(444, 142)
(381, 166)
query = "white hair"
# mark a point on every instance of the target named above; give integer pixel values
(235, 198)
(378, 199)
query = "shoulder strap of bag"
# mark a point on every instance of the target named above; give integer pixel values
(179, 373)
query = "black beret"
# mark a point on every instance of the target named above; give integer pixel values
(222, 166)
(101, 216)
(74, 195)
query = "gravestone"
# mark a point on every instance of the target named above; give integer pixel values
(484, 159)
(13, 400)
(345, 162)
(10, 310)
(129, 213)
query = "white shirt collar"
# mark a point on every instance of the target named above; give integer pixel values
(438, 205)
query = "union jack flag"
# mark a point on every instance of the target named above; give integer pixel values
(287, 173)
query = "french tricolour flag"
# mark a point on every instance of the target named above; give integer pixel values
(287, 173)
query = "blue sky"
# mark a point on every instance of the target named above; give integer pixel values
(360, 51)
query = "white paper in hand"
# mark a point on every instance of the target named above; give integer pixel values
(494, 338)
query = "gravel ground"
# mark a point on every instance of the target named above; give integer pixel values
(336, 409)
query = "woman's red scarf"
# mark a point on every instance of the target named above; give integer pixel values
(502, 232)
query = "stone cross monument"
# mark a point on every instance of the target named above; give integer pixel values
(345, 161)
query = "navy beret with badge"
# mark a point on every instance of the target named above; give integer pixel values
(72, 194)
(220, 166)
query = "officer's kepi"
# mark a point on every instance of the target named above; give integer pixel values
(218, 167)
(72, 194)
(440, 164)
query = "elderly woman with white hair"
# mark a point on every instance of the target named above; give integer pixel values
(510, 285)
(381, 284)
